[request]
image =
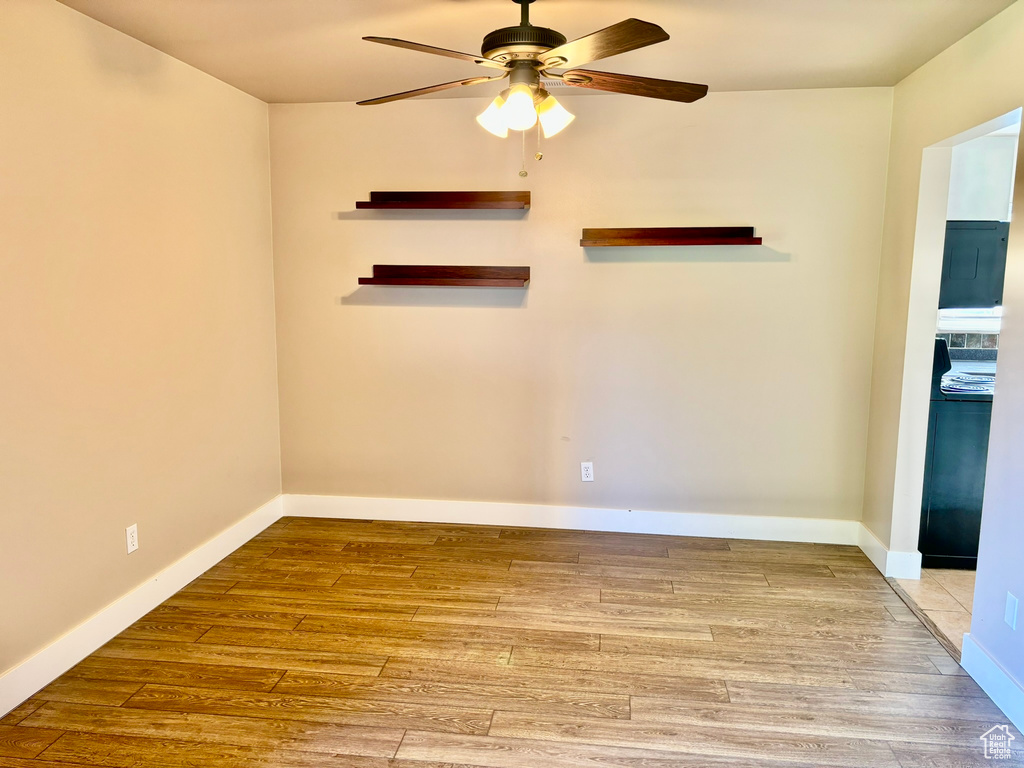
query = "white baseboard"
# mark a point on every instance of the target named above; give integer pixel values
(22, 681)
(1007, 693)
(892, 564)
(816, 530)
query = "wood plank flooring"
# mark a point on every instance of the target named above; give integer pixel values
(361, 644)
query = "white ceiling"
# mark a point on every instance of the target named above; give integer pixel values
(310, 50)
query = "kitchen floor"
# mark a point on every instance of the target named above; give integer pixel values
(945, 597)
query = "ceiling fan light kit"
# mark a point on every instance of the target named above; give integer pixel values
(491, 119)
(526, 52)
(519, 107)
(519, 111)
(554, 118)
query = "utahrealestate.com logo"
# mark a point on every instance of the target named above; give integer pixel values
(997, 742)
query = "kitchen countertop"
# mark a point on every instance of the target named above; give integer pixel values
(973, 366)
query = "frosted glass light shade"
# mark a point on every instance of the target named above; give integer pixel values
(491, 119)
(519, 112)
(554, 118)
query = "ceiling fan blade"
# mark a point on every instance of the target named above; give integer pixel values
(428, 89)
(436, 51)
(650, 87)
(625, 36)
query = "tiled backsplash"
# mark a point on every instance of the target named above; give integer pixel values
(970, 340)
(971, 346)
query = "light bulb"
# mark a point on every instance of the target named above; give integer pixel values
(519, 113)
(491, 119)
(554, 118)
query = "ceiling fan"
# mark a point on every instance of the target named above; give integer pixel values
(525, 53)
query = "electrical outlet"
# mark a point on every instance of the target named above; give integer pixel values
(131, 536)
(587, 471)
(1011, 611)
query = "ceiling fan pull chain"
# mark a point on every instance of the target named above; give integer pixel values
(540, 155)
(522, 171)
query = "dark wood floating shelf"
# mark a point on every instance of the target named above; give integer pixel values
(598, 238)
(446, 200)
(483, 277)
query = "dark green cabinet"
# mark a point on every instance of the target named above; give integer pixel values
(954, 482)
(973, 264)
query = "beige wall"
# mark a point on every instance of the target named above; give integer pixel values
(977, 80)
(729, 380)
(138, 382)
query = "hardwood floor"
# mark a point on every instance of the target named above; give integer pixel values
(397, 645)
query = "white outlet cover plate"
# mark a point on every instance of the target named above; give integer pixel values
(1011, 610)
(587, 471)
(131, 537)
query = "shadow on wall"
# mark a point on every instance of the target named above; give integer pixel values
(137, 64)
(431, 296)
(722, 254)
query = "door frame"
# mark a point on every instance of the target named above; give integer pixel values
(925, 280)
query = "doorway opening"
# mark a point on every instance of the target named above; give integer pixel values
(951, 364)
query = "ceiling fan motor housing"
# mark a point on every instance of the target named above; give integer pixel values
(519, 43)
